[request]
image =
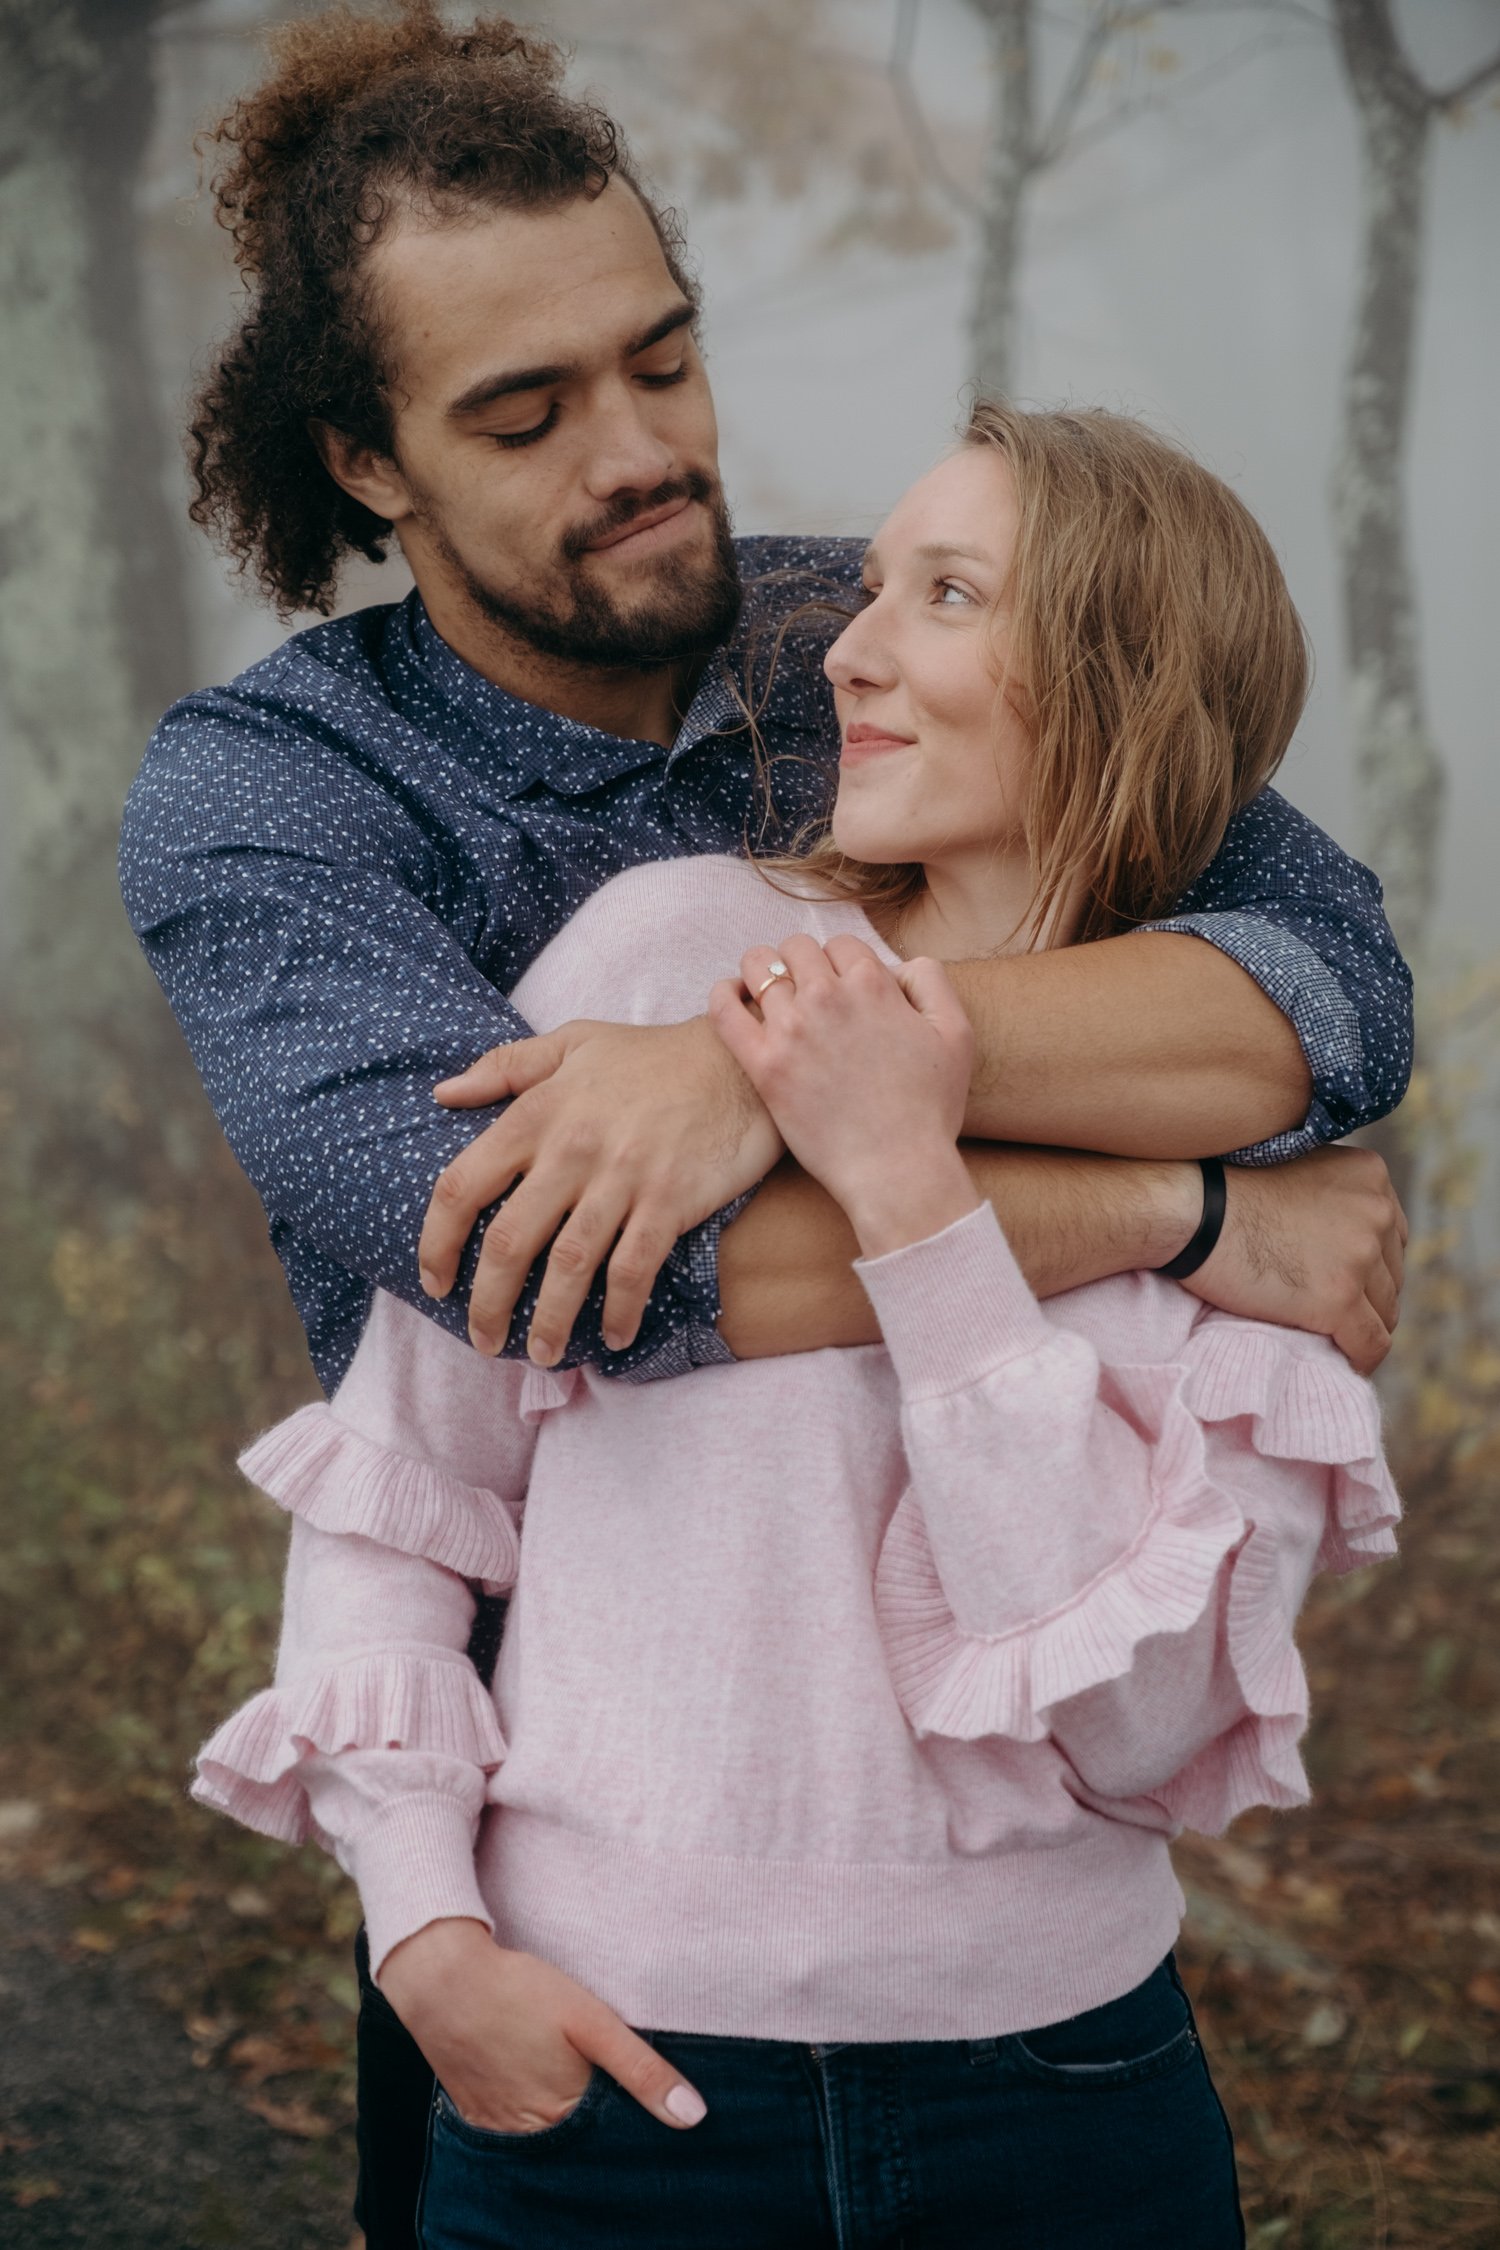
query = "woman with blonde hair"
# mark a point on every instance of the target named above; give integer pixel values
(804, 1876)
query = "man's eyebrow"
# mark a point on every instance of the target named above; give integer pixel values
(681, 316)
(491, 388)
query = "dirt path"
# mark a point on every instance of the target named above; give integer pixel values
(112, 2139)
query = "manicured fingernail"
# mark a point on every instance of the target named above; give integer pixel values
(687, 2107)
(541, 1354)
(613, 1340)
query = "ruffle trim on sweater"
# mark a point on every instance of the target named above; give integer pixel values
(388, 1700)
(317, 1467)
(1305, 1406)
(966, 1685)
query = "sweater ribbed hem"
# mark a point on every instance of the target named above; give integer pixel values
(953, 1307)
(414, 1864)
(818, 1950)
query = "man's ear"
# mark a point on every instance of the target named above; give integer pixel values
(371, 478)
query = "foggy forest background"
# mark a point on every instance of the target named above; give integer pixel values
(1269, 227)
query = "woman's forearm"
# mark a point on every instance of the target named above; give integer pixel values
(1149, 1045)
(786, 1266)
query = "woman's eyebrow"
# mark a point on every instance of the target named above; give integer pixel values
(942, 551)
(934, 551)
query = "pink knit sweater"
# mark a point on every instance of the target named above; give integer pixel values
(852, 1695)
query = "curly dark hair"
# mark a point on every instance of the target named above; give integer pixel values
(362, 117)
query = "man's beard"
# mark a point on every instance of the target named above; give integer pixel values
(689, 605)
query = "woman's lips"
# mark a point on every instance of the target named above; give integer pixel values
(863, 742)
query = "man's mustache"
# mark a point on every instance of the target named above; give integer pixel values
(695, 485)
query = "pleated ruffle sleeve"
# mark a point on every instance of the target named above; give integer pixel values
(1108, 1554)
(378, 1737)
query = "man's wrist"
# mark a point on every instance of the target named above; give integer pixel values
(1173, 1207)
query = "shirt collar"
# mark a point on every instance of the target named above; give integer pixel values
(572, 758)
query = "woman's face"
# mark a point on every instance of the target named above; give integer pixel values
(935, 762)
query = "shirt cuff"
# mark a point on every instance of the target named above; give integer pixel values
(1319, 1010)
(692, 1274)
(954, 1307)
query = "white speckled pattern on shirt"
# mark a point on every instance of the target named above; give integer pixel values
(339, 864)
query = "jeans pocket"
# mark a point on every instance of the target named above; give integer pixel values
(1147, 2033)
(449, 2119)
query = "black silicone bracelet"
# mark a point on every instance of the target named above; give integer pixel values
(1210, 1226)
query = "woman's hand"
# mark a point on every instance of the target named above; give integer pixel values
(866, 1074)
(512, 2040)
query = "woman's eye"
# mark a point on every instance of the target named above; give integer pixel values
(526, 437)
(951, 596)
(664, 382)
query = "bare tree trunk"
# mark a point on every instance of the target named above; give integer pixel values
(93, 626)
(1400, 776)
(1010, 159)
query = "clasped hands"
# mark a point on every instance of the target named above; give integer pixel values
(620, 1138)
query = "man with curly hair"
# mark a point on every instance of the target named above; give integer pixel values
(470, 328)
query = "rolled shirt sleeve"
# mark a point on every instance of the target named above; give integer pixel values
(1307, 923)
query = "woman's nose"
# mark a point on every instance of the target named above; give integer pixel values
(860, 658)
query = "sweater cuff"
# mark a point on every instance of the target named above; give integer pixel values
(414, 1864)
(954, 1307)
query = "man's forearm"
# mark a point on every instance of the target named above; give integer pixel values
(786, 1265)
(1151, 1045)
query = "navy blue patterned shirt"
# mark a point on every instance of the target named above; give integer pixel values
(339, 865)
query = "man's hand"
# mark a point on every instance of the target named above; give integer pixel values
(512, 2040)
(1318, 1243)
(630, 1133)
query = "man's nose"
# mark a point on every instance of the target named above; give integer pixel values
(625, 454)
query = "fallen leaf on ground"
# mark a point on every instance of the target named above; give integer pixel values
(26, 2192)
(118, 1882)
(1325, 2025)
(249, 1904)
(290, 2117)
(261, 2054)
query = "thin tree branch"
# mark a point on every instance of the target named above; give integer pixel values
(1467, 88)
(914, 117)
(1103, 25)
(1221, 67)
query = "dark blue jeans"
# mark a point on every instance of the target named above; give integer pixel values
(1101, 2133)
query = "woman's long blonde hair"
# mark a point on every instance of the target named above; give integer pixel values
(1154, 653)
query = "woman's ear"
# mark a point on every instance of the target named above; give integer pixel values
(371, 478)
